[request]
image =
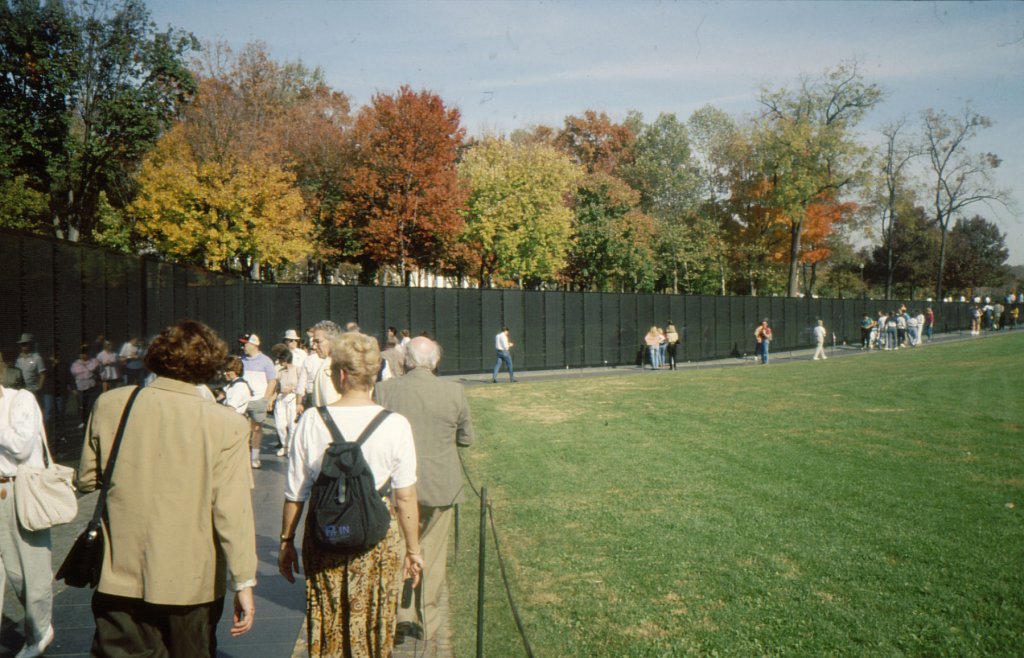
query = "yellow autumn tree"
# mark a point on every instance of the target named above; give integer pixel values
(223, 214)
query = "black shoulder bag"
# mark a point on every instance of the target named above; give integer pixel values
(82, 566)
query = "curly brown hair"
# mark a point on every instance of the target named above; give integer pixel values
(188, 351)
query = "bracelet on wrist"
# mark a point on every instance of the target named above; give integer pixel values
(287, 538)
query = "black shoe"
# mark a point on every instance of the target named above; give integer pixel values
(407, 629)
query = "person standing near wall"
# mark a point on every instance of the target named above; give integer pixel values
(503, 345)
(763, 336)
(819, 339)
(672, 337)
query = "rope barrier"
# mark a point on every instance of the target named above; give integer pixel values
(486, 505)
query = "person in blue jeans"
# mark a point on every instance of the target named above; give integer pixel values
(763, 336)
(502, 345)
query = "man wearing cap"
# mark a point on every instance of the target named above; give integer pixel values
(291, 339)
(33, 371)
(262, 377)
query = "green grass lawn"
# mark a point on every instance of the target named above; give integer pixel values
(871, 505)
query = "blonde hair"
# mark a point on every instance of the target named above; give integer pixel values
(358, 356)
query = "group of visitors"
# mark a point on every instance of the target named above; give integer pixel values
(97, 369)
(994, 317)
(661, 346)
(181, 549)
(897, 329)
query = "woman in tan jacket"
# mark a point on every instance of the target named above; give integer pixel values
(179, 508)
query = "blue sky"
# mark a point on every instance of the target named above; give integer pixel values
(508, 65)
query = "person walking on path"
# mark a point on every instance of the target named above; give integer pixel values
(440, 419)
(503, 345)
(763, 336)
(352, 599)
(179, 520)
(819, 339)
(262, 377)
(25, 554)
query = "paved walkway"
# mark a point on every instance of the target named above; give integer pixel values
(280, 607)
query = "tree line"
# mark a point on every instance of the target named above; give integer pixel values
(117, 133)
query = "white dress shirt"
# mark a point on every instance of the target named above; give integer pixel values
(21, 430)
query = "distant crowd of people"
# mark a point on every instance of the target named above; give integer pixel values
(897, 329)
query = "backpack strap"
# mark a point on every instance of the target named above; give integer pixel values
(338, 437)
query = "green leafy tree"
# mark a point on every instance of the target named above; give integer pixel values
(22, 207)
(909, 257)
(517, 222)
(808, 147)
(613, 241)
(977, 256)
(131, 83)
(39, 63)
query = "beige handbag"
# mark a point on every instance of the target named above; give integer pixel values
(45, 497)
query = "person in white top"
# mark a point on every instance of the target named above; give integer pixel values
(25, 554)
(351, 600)
(237, 392)
(819, 338)
(323, 391)
(291, 339)
(502, 345)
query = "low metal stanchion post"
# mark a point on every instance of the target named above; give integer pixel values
(480, 575)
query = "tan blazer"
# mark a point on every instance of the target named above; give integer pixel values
(439, 415)
(180, 504)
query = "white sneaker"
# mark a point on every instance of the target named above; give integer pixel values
(37, 649)
(257, 463)
(282, 451)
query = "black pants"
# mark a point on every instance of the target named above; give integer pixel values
(126, 628)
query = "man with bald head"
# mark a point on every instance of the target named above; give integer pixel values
(439, 415)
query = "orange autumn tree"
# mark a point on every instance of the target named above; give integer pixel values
(403, 201)
(823, 217)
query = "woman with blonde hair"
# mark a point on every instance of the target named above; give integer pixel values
(653, 341)
(351, 599)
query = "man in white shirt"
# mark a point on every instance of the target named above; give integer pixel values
(502, 345)
(321, 387)
(291, 339)
(819, 338)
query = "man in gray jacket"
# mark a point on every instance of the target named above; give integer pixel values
(439, 415)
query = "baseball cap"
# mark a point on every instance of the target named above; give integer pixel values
(250, 338)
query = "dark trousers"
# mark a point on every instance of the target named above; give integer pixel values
(129, 628)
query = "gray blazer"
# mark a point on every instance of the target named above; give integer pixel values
(439, 415)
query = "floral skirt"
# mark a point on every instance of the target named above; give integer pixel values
(352, 600)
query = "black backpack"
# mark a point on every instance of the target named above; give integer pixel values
(346, 513)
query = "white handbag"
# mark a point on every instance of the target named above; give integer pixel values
(45, 497)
